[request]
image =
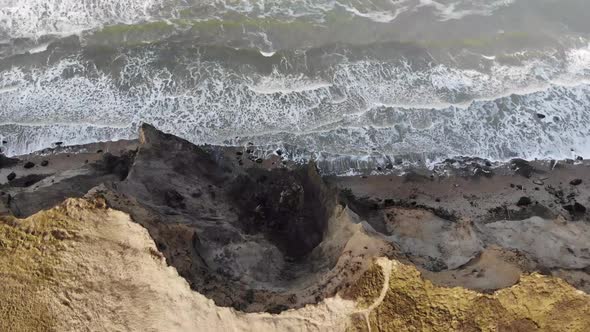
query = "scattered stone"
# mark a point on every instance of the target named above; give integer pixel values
(522, 167)
(29, 164)
(11, 176)
(45, 163)
(524, 201)
(519, 187)
(575, 209)
(28, 180)
(259, 160)
(541, 116)
(483, 171)
(576, 182)
(174, 199)
(538, 182)
(7, 162)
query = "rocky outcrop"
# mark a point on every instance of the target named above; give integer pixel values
(251, 238)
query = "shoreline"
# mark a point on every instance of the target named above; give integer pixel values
(263, 236)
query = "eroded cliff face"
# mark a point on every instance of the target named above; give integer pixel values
(84, 266)
(175, 237)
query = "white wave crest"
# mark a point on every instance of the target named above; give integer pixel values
(35, 18)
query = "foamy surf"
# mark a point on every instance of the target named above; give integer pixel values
(36, 18)
(328, 80)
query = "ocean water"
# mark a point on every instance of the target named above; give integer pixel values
(354, 84)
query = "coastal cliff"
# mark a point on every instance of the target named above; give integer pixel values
(160, 234)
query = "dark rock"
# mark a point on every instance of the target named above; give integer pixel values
(174, 199)
(575, 209)
(512, 185)
(7, 162)
(11, 176)
(483, 171)
(259, 160)
(576, 182)
(524, 201)
(522, 167)
(387, 202)
(4, 142)
(519, 187)
(27, 181)
(580, 158)
(541, 116)
(239, 153)
(45, 163)
(29, 164)
(58, 143)
(99, 151)
(279, 152)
